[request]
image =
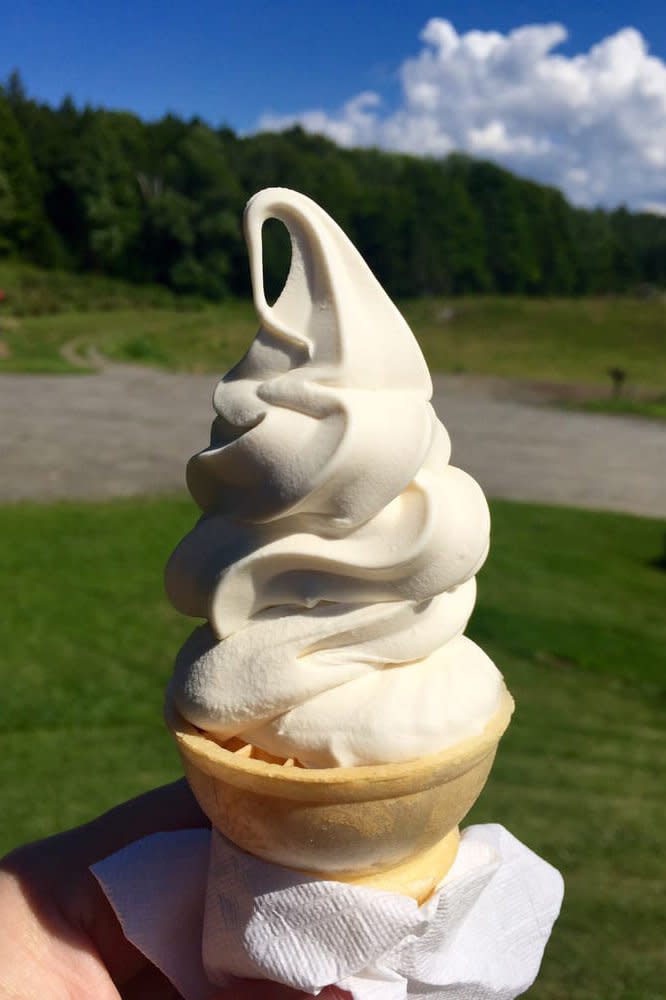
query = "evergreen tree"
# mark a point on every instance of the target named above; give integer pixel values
(22, 222)
(511, 256)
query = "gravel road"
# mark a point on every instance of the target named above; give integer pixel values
(129, 430)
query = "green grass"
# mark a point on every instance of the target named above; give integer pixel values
(570, 606)
(205, 339)
(550, 340)
(652, 406)
(568, 340)
(33, 291)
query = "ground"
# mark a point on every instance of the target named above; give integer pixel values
(128, 430)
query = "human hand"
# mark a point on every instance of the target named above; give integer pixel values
(60, 937)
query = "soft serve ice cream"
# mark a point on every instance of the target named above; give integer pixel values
(335, 559)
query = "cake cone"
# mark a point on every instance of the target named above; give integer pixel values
(387, 826)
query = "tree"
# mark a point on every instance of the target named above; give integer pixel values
(550, 222)
(510, 254)
(106, 199)
(161, 201)
(22, 221)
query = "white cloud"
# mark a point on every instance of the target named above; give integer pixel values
(654, 207)
(592, 124)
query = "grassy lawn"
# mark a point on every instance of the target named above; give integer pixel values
(206, 339)
(554, 339)
(570, 605)
(652, 405)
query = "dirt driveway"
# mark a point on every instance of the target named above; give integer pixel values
(129, 430)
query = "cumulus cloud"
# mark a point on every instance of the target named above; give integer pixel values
(592, 124)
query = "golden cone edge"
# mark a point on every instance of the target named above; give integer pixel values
(354, 824)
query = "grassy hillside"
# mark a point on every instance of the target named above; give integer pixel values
(50, 322)
(570, 606)
(572, 340)
(33, 291)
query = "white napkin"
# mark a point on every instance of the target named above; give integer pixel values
(203, 911)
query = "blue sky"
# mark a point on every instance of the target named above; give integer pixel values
(276, 62)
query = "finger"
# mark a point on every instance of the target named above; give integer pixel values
(171, 807)
(41, 955)
(54, 873)
(66, 905)
(149, 984)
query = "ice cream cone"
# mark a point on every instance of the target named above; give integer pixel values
(388, 826)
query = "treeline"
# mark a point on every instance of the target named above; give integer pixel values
(102, 191)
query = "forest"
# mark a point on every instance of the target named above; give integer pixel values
(92, 190)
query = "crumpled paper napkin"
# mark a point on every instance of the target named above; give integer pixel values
(203, 911)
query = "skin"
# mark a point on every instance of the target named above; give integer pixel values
(60, 938)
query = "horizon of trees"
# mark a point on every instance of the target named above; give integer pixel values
(92, 190)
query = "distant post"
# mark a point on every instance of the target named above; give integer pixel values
(618, 377)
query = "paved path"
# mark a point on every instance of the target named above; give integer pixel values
(129, 430)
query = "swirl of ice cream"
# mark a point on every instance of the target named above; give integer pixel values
(335, 558)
